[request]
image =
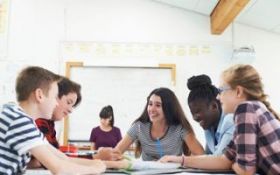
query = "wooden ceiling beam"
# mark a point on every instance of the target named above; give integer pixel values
(224, 13)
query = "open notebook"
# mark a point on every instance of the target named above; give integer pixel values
(144, 165)
(171, 171)
(140, 167)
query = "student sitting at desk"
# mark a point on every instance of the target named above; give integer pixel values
(162, 129)
(207, 110)
(105, 135)
(36, 90)
(69, 96)
(256, 142)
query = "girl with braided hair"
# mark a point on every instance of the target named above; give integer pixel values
(207, 111)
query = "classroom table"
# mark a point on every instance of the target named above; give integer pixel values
(177, 171)
(46, 172)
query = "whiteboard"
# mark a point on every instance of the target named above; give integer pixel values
(125, 88)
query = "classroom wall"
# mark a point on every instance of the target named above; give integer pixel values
(267, 46)
(38, 27)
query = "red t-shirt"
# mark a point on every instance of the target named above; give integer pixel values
(48, 129)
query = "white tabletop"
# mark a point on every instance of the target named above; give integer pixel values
(46, 172)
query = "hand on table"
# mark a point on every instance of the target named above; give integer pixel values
(107, 154)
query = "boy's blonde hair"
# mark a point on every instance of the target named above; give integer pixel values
(248, 77)
(31, 78)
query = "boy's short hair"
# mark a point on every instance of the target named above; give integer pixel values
(66, 86)
(32, 78)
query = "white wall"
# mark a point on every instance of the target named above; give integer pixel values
(37, 28)
(267, 60)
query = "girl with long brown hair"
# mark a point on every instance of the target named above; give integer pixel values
(162, 129)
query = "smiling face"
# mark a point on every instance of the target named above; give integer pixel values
(65, 106)
(207, 115)
(154, 109)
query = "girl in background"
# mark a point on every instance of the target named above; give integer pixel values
(105, 135)
(256, 142)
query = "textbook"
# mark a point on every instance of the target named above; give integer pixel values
(139, 167)
(142, 172)
(171, 171)
(147, 165)
(146, 171)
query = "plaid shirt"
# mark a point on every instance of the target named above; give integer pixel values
(256, 141)
(48, 129)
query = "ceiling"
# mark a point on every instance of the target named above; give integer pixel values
(262, 14)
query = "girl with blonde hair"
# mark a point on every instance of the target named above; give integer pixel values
(256, 142)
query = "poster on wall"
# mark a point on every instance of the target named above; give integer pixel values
(91, 49)
(4, 23)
